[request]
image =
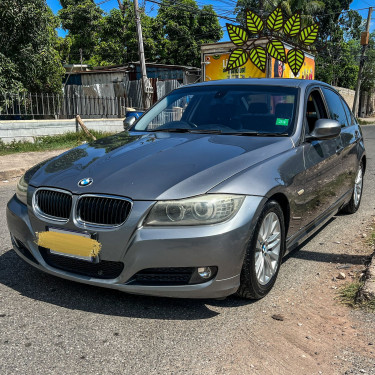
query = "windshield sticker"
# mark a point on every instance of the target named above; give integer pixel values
(282, 121)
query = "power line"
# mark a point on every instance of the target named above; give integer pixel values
(190, 9)
(103, 2)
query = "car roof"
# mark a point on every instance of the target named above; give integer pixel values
(286, 82)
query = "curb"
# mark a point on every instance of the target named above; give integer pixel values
(12, 173)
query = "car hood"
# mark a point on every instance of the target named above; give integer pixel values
(156, 165)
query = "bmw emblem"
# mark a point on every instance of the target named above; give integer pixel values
(85, 182)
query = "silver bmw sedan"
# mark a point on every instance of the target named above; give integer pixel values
(201, 197)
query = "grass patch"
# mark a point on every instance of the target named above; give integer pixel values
(349, 292)
(364, 122)
(350, 295)
(49, 142)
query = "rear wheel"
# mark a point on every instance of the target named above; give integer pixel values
(355, 200)
(263, 254)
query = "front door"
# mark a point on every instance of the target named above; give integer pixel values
(323, 167)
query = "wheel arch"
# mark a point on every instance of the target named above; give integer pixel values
(283, 201)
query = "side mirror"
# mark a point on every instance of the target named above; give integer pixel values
(325, 129)
(128, 122)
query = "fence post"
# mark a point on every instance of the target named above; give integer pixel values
(19, 103)
(42, 103)
(49, 113)
(24, 102)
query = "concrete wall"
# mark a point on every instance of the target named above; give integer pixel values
(28, 129)
(347, 94)
(366, 103)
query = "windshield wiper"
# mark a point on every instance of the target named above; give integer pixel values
(258, 134)
(184, 130)
(171, 130)
(206, 131)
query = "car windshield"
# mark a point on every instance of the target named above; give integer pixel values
(224, 109)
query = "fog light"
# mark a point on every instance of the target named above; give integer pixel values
(204, 272)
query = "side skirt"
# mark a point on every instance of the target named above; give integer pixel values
(298, 238)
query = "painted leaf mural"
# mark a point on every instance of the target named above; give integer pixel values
(237, 35)
(292, 26)
(296, 57)
(309, 34)
(269, 43)
(258, 56)
(276, 49)
(253, 22)
(275, 20)
(237, 58)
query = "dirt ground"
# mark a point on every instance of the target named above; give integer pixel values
(316, 333)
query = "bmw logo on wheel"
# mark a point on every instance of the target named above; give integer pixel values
(85, 182)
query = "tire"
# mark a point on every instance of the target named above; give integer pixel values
(355, 200)
(259, 253)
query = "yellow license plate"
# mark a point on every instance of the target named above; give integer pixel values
(71, 244)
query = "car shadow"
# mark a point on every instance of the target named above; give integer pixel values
(37, 285)
(317, 256)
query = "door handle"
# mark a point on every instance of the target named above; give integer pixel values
(339, 150)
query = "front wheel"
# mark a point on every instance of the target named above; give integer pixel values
(355, 200)
(263, 254)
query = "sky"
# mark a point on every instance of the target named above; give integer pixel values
(221, 7)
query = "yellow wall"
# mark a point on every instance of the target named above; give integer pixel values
(215, 65)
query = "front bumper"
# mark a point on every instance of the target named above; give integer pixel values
(221, 245)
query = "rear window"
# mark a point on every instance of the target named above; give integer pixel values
(226, 108)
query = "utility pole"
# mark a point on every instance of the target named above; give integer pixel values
(364, 43)
(145, 83)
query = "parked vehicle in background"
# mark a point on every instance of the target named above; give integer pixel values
(202, 197)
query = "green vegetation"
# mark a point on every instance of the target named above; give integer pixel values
(364, 122)
(174, 36)
(50, 142)
(28, 57)
(349, 295)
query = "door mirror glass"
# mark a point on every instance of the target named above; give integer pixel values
(128, 122)
(325, 129)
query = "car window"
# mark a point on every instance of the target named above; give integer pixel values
(225, 108)
(335, 107)
(349, 114)
(315, 110)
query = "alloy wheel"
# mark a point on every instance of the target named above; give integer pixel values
(268, 247)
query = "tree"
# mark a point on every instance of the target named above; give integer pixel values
(82, 18)
(28, 59)
(104, 38)
(118, 42)
(182, 27)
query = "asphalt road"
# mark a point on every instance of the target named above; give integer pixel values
(53, 326)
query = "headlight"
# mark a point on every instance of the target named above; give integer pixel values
(206, 209)
(23, 183)
(21, 191)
